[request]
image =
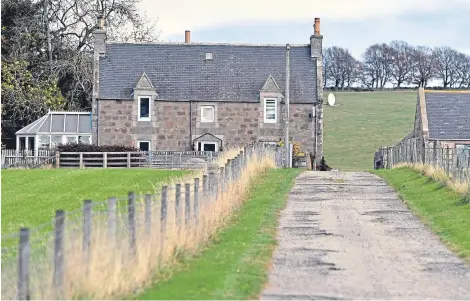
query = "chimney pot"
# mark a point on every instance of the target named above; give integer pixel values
(100, 21)
(187, 36)
(316, 26)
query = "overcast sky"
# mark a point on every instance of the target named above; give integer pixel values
(353, 24)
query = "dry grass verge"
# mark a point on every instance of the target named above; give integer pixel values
(439, 175)
(111, 268)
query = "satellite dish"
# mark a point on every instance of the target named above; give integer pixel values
(331, 99)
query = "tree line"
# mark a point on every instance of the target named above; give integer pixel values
(397, 63)
(47, 53)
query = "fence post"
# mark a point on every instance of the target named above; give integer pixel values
(234, 169)
(148, 213)
(128, 160)
(105, 160)
(131, 220)
(80, 155)
(448, 160)
(228, 171)
(163, 216)
(57, 159)
(112, 220)
(453, 172)
(205, 187)
(59, 233)
(187, 202)
(196, 199)
(23, 265)
(210, 185)
(177, 203)
(222, 179)
(87, 225)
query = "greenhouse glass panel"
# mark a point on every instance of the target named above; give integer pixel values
(44, 141)
(84, 139)
(71, 139)
(56, 140)
(57, 123)
(71, 121)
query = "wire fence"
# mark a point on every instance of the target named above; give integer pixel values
(110, 248)
(454, 161)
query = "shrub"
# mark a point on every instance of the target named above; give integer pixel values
(74, 147)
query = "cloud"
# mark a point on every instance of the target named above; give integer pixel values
(178, 15)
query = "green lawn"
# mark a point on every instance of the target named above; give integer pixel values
(363, 122)
(235, 267)
(443, 210)
(31, 197)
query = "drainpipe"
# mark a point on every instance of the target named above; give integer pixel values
(286, 144)
(190, 125)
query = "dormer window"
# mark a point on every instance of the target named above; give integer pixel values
(270, 110)
(144, 107)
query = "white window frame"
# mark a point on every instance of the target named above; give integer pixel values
(202, 113)
(275, 110)
(209, 142)
(148, 141)
(139, 105)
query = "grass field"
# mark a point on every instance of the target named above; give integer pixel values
(361, 123)
(235, 266)
(31, 197)
(445, 211)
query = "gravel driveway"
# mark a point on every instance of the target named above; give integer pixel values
(348, 236)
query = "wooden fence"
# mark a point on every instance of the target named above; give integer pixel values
(454, 161)
(155, 159)
(11, 158)
(132, 221)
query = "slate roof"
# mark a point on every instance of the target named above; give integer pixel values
(448, 115)
(180, 72)
(60, 122)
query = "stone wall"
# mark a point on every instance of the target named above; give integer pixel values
(236, 124)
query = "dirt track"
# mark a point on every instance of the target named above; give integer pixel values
(348, 236)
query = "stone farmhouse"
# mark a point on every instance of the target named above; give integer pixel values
(443, 116)
(206, 97)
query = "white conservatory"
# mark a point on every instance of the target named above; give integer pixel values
(55, 128)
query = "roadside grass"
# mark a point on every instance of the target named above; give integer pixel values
(361, 122)
(31, 197)
(439, 175)
(445, 211)
(235, 265)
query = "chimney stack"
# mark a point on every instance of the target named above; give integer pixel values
(316, 26)
(187, 36)
(100, 22)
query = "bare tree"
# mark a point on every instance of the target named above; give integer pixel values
(377, 63)
(72, 22)
(340, 67)
(462, 74)
(400, 62)
(423, 69)
(446, 65)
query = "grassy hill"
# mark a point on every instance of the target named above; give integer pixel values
(362, 122)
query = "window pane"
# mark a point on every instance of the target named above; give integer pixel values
(207, 113)
(84, 139)
(144, 107)
(270, 110)
(43, 141)
(71, 139)
(144, 146)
